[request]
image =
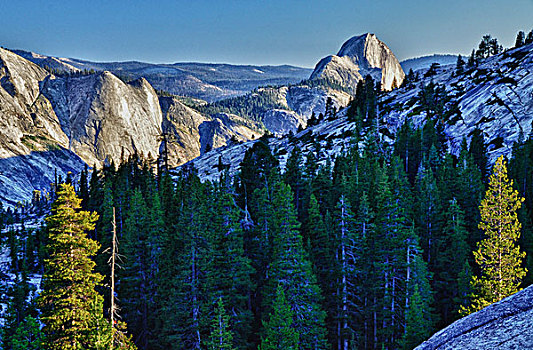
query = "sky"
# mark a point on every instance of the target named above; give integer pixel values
(297, 32)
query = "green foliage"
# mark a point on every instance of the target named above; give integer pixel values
(460, 65)
(292, 270)
(498, 255)
(488, 47)
(71, 307)
(221, 337)
(28, 336)
(520, 39)
(363, 108)
(252, 105)
(280, 333)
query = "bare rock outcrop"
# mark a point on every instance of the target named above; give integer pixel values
(105, 117)
(507, 324)
(359, 56)
(226, 129)
(181, 126)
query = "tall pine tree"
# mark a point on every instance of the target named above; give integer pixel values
(72, 310)
(498, 255)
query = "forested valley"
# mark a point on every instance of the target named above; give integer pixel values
(371, 250)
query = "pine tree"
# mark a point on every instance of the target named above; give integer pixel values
(453, 252)
(460, 65)
(182, 272)
(415, 333)
(471, 60)
(419, 316)
(280, 333)
(349, 252)
(140, 238)
(520, 39)
(28, 336)
(498, 255)
(291, 268)
(529, 38)
(71, 308)
(221, 337)
(229, 273)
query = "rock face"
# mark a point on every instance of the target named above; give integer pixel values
(225, 129)
(507, 324)
(33, 144)
(424, 62)
(279, 121)
(52, 124)
(106, 118)
(359, 56)
(181, 124)
(495, 97)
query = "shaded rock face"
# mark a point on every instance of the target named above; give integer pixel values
(359, 56)
(507, 324)
(225, 129)
(27, 119)
(33, 145)
(181, 124)
(279, 121)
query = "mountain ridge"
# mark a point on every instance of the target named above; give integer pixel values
(210, 81)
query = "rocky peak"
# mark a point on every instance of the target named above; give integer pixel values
(359, 56)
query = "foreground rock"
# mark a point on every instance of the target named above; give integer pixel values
(507, 324)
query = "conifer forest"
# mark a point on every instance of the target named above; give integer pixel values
(377, 249)
(362, 228)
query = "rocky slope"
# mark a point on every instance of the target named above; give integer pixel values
(52, 124)
(33, 145)
(424, 62)
(210, 82)
(496, 97)
(358, 57)
(507, 324)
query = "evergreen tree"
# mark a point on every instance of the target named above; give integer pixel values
(529, 38)
(520, 39)
(71, 307)
(280, 333)
(229, 273)
(478, 149)
(181, 277)
(471, 60)
(460, 65)
(450, 276)
(498, 256)
(321, 248)
(427, 212)
(291, 269)
(221, 337)
(28, 336)
(137, 278)
(349, 252)
(415, 332)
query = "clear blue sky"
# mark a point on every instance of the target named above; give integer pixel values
(298, 32)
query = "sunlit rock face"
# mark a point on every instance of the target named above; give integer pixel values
(358, 57)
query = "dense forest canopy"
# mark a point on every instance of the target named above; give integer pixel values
(377, 248)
